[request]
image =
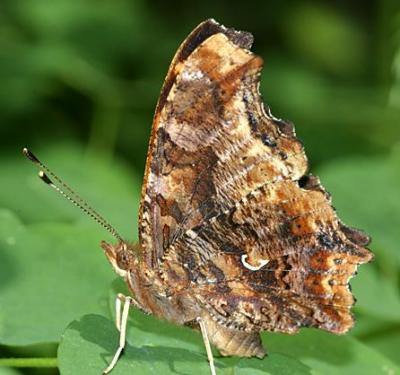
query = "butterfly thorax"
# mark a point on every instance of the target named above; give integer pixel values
(150, 291)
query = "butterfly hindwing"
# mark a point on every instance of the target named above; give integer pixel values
(310, 257)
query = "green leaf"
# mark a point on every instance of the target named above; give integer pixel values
(49, 274)
(328, 354)
(88, 345)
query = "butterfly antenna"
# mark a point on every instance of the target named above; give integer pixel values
(69, 194)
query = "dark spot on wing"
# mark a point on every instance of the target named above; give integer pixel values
(326, 241)
(229, 248)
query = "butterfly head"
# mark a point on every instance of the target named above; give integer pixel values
(122, 256)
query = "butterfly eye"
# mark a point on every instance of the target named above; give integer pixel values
(123, 259)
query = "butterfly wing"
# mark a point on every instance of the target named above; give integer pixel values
(310, 257)
(228, 207)
(212, 140)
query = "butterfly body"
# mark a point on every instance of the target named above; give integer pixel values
(150, 293)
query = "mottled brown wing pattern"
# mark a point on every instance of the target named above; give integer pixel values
(212, 143)
(226, 180)
(311, 257)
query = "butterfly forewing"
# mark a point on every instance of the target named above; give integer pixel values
(212, 141)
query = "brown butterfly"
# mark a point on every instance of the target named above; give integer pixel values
(235, 236)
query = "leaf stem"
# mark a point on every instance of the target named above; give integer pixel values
(28, 362)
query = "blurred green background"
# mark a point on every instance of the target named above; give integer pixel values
(79, 81)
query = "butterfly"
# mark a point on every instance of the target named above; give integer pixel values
(235, 236)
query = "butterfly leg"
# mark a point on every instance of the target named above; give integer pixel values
(207, 345)
(121, 322)
(118, 305)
